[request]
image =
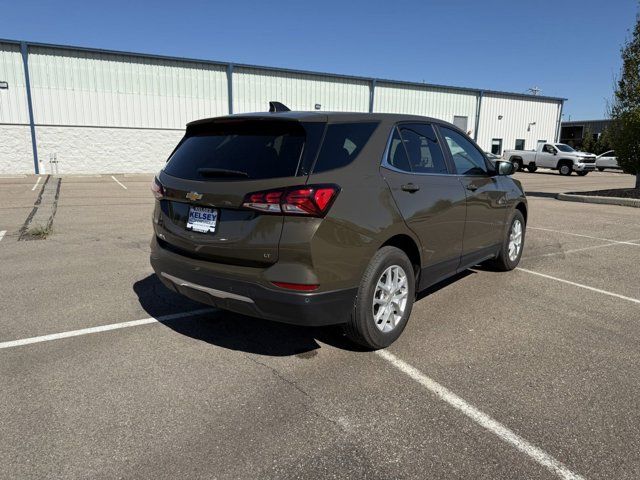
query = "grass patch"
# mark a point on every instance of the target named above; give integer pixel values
(40, 232)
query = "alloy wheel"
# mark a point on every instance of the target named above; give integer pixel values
(390, 298)
(515, 240)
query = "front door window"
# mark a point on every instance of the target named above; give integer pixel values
(466, 157)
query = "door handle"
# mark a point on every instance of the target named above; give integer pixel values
(410, 187)
(472, 187)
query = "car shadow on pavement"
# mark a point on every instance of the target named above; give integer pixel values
(234, 331)
(243, 333)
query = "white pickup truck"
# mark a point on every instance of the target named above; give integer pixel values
(556, 156)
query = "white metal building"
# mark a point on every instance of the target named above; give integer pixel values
(97, 111)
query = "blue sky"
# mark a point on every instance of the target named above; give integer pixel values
(567, 48)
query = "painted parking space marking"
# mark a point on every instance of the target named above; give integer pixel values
(623, 242)
(2, 232)
(586, 287)
(36, 185)
(480, 417)
(116, 180)
(103, 328)
(574, 250)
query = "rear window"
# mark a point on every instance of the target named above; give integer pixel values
(238, 150)
(342, 144)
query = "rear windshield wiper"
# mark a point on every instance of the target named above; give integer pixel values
(221, 172)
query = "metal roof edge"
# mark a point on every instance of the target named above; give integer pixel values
(588, 121)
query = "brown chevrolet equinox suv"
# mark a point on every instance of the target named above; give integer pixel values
(317, 218)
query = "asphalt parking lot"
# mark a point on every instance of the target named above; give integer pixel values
(528, 374)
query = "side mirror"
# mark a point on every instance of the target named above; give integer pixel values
(555, 153)
(505, 168)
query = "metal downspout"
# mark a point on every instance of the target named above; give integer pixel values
(475, 132)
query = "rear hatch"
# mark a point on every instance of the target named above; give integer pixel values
(210, 173)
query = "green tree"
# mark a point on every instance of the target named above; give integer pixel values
(624, 131)
(603, 144)
(588, 143)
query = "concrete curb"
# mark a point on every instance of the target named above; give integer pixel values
(626, 202)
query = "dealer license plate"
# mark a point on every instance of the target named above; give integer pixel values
(202, 219)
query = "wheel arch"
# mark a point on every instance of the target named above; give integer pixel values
(564, 160)
(522, 208)
(407, 245)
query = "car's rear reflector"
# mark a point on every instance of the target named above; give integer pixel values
(301, 287)
(309, 200)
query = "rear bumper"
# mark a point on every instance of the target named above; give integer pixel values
(201, 282)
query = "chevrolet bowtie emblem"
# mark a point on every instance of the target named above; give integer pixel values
(193, 196)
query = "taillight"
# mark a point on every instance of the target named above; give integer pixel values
(310, 200)
(157, 188)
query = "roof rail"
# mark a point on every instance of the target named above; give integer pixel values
(278, 107)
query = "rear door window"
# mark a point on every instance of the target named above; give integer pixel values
(239, 150)
(424, 152)
(342, 144)
(398, 154)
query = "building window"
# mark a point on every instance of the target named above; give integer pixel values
(519, 144)
(496, 146)
(460, 122)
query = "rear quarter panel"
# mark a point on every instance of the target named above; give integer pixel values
(363, 217)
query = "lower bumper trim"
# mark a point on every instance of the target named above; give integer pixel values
(211, 291)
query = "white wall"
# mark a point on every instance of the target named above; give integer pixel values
(117, 112)
(76, 94)
(253, 89)
(428, 101)
(13, 101)
(517, 113)
(105, 150)
(16, 153)
(99, 89)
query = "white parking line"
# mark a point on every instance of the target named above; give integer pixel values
(36, 185)
(102, 328)
(116, 180)
(587, 287)
(576, 250)
(2, 232)
(623, 242)
(480, 418)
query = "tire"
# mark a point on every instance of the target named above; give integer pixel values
(582, 174)
(532, 168)
(505, 261)
(601, 169)
(517, 164)
(565, 168)
(363, 328)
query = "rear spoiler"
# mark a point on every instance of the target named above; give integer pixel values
(274, 107)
